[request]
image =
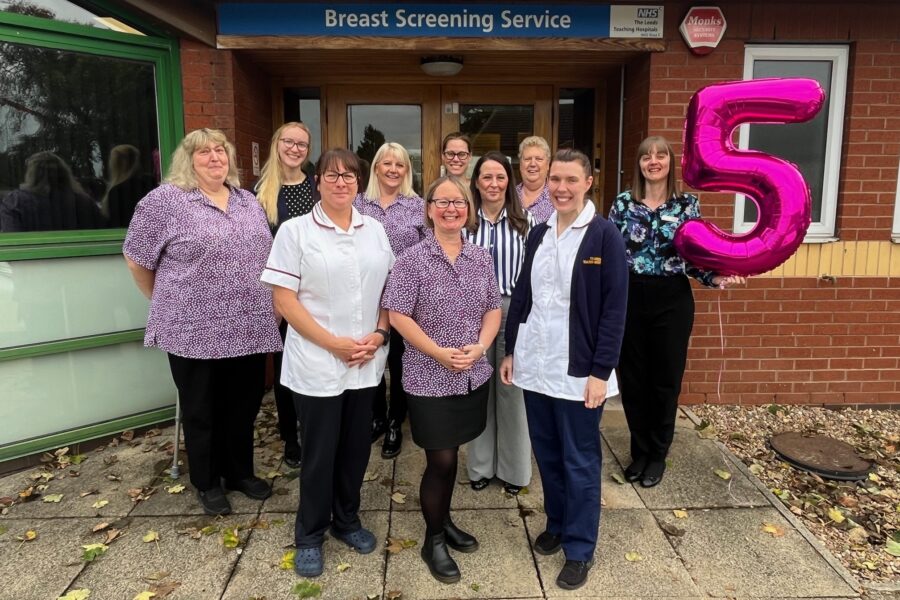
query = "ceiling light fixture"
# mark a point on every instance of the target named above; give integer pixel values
(441, 66)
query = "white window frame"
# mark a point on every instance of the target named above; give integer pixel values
(824, 229)
(895, 228)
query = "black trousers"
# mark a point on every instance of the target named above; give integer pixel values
(654, 351)
(284, 398)
(397, 408)
(220, 399)
(336, 445)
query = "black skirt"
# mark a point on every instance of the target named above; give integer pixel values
(439, 422)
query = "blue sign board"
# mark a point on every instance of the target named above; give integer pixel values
(430, 20)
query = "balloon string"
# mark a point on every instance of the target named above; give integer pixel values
(722, 342)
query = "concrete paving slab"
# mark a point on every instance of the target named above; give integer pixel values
(201, 566)
(376, 493)
(186, 503)
(501, 568)
(690, 480)
(258, 573)
(728, 554)
(660, 573)
(124, 468)
(44, 567)
(409, 468)
(614, 494)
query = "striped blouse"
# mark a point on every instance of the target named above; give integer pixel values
(506, 246)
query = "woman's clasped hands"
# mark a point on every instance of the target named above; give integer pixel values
(459, 359)
(356, 352)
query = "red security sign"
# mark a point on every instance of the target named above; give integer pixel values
(703, 28)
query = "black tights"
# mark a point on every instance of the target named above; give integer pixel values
(436, 488)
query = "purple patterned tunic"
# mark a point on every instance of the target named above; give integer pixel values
(403, 221)
(447, 300)
(542, 207)
(207, 299)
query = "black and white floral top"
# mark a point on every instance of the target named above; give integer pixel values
(649, 249)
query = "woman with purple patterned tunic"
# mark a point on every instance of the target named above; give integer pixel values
(391, 201)
(444, 300)
(534, 165)
(195, 248)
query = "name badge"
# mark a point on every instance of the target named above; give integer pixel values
(669, 218)
(592, 260)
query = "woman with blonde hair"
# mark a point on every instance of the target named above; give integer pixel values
(389, 198)
(126, 186)
(534, 165)
(195, 247)
(285, 191)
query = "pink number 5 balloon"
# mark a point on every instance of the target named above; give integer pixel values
(711, 162)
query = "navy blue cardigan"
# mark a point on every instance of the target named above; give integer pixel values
(599, 298)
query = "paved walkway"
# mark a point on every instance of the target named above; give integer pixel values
(719, 550)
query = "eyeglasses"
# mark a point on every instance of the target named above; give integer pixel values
(332, 176)
(450, 155)
(291, 143)
(446, 202)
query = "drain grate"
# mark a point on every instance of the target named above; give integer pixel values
(820, 454)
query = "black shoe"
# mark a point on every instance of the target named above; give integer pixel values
(214, 502)
(547, 543)
(480, 484)
(512, 490)
(459, 539)
(437, 556)
(653, 474)
(252, 487)
(292, 455)
(393, 439)
(378, 428)
(635, 470)
(574, 573)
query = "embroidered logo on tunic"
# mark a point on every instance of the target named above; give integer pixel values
(592, 260)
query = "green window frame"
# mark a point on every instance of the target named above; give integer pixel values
(162, 52)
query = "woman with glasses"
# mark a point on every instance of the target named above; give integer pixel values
(285, 191)
(391, 201)
(443, 299)
(502, 225)
(534, 164)
(456, 152)
(328, 270)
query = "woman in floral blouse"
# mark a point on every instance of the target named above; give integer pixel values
(660, 305)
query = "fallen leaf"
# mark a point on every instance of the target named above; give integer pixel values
(111, 535)
(848, 501)
(342, 566)
(53, 497)
(287, 560)
(858, 535)
(680, 514)
(757, 469)
(671, 529)
(209, 530)
(81, 594)
(99, 503)
(306, 589)
(230, 538)
(836, 515)
(723, 474)
(369, 476)
(3, 529)
(175, 489)
(774, 530)
(150, 536)
(88, 493)
(78, 459)
(874, 477)
(92, 551)
(618, 479)
(892, 546)
(274, 474)
(395, 545)
(127, 435)
(164, 588)
(99, 527)
(475, 587)
(633, 556)
(28, 536)
(144, 596)
(399, 497)
(394, 595)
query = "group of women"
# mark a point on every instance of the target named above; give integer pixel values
(499, 310)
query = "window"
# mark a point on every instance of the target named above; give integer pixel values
(814, 146)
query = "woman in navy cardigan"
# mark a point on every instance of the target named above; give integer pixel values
(563, 336)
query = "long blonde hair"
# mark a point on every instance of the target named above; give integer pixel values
(272, 176)
(181, 171)
(373, 190)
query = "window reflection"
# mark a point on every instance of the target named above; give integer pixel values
(66, 12)
(496, 127)
(371, 125)
(79, 145)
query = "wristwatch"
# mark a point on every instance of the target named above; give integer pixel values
(384, 334)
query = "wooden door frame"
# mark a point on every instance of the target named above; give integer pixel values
(334, 130)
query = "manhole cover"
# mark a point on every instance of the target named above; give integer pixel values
(820, 454)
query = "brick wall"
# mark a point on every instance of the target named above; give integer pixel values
(223, 91)
(799, 339)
